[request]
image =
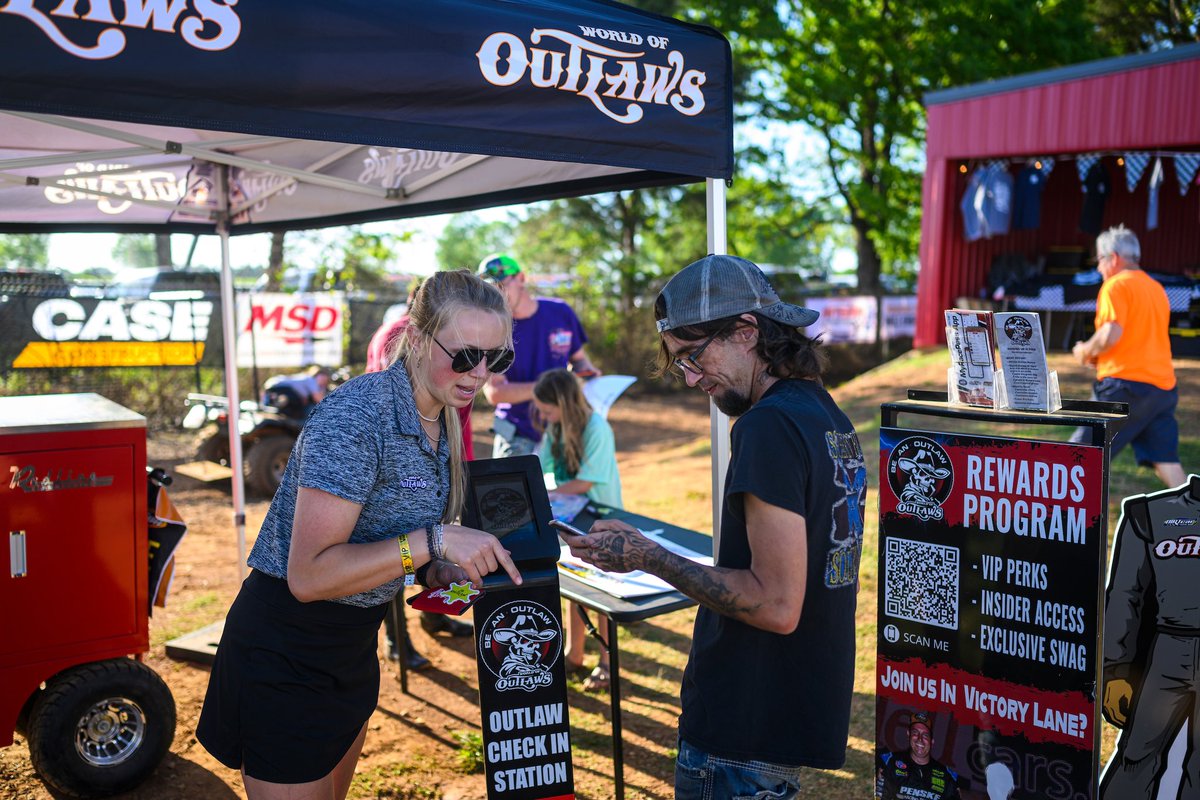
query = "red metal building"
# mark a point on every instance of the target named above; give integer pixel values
(1142, 103)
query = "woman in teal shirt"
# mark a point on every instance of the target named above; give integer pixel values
(578, 448)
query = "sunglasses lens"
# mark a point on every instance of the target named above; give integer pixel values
(500, 360)
(466, 359)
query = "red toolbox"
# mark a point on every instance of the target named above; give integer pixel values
(74, 594)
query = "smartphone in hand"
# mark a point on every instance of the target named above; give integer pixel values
(567, 527)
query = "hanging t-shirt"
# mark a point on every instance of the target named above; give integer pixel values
(1096, 188)
(1027, 198)
(997, 208)
(974, 226)
(1156, 180)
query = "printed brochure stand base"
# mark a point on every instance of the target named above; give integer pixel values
(1051, 401)
(991, 562)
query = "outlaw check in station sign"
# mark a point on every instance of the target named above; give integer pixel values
(989, 606)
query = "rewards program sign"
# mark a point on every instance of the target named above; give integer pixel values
(990, 573)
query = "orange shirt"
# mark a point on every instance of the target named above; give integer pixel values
(1139, 304)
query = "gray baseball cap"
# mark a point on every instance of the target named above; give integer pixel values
(719, 286)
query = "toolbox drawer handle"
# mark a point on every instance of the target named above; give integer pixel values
(16, 554)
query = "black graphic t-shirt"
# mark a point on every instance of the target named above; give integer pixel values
(749, 694)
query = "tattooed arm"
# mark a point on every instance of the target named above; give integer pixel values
(768, 595)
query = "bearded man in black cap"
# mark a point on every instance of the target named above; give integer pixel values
(768, 683)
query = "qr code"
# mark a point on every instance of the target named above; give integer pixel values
(921, 582)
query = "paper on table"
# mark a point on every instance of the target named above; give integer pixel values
(618, 584)
(676, 548)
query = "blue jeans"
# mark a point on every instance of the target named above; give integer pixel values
(508, 442)
(700, 776)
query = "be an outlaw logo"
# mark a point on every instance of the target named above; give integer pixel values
(519, 643)
(921, 475)
(603, 74)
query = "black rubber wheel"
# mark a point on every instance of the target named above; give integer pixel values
(265, 462)
(211, 445)
(101, 729)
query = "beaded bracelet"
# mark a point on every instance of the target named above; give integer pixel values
(410, 572)
(436, 541)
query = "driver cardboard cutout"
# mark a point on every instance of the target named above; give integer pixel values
(1151, 636)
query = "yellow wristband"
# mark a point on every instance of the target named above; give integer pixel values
(410, 572)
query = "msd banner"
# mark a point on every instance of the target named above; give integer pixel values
(290, 330)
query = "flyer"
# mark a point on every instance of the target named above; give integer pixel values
(972, 362)
(1024, 372)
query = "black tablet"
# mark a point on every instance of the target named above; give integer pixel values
(507, 498)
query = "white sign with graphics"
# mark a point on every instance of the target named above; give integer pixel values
(276, 329)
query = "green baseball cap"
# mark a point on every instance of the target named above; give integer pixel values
(498, 266)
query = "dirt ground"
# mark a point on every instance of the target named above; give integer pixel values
(413, 746)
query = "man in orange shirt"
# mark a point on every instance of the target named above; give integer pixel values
(1131, 351)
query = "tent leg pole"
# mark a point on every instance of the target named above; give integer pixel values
(715, 208)
(229, 329)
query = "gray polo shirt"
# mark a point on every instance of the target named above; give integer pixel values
(365, 444)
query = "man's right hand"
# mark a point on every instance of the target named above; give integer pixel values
(1118, 693)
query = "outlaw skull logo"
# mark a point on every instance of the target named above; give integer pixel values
(519, 643)
(920, 473)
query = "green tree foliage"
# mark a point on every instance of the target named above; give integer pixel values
(352, 258)
(24, 250)
(136, 250)
(467, 239)
(855, 73)
(1131, 25)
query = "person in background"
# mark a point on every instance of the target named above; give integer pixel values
(915, 772)
(381, 348)
(366, 503)
(296, 395)
(546, 335)
(1131, 352)
(578, 448)
(768, 683)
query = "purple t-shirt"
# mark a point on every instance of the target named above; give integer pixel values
(545, 341)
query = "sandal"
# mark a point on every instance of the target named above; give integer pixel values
(575, 670)
(598, 681)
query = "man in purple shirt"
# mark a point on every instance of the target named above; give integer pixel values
(546, 335)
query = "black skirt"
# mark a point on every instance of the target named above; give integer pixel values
(292, 683)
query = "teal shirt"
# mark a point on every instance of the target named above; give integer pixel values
(598, 466)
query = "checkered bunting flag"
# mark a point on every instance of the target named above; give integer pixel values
(1135, 165)
(1083, 164)
(1185, 170)
(1047, 166)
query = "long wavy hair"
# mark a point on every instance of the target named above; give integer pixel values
(786, 351)
(559, 387)
(434, 308)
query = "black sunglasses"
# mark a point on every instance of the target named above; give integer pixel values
(465, 360)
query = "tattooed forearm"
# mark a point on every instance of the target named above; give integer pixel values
(705, 585)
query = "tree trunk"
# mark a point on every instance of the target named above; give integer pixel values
(275, 262)
(162, 250)
(869, 264)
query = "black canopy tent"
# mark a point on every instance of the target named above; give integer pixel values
(210, 116)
